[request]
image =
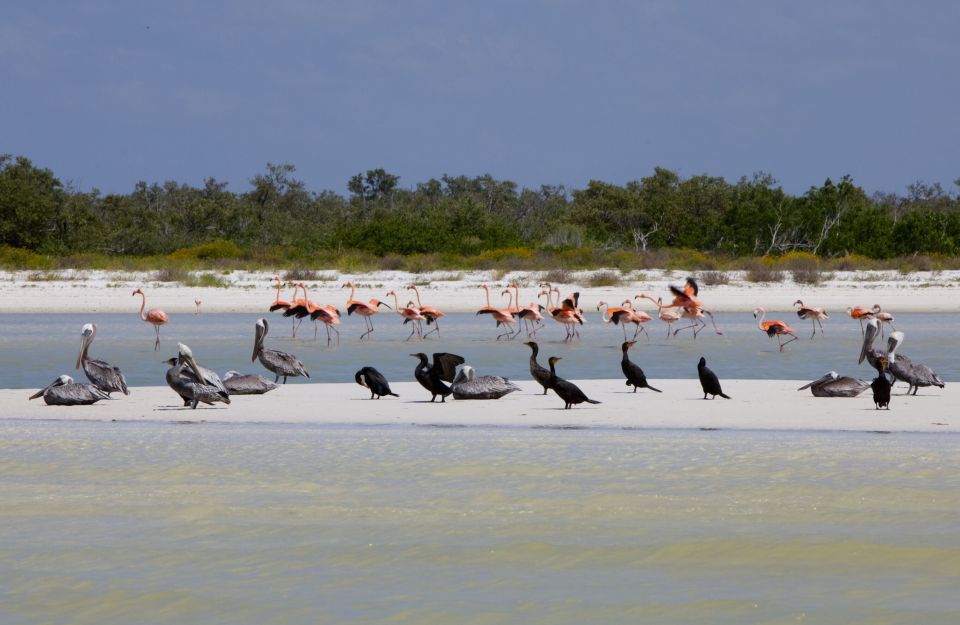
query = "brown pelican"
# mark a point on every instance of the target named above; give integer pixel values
(65, 392)
(709, 381)
(103, 375)
(432, 377)
(192, 382)
(468, 386)
(238, 383)
(902, 368)
(373, 380)
(868, 352)
(569, 392)
(279, 363)
(833, 385)
(540, 374)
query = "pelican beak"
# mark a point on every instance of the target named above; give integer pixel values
(84, 344)
(258, 337)
(193, 367)
(824, 378)
(870, 333)
(40, 393)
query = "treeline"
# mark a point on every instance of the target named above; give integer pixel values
(468, 216)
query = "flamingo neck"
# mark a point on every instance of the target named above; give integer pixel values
(143, 304)
(417, 292)
(487, 289)
(763, 315)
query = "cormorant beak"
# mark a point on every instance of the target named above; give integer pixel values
(360, 379)
(869, 334)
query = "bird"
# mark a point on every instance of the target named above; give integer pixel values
(197, 301)
(466, 385)
(882, 317)
(432, 314)
(410, 315)
(63, 391)
(686, 298)
(502, 316)
(193, 383)
(569, 392)
(528, 315)
(871, 354)
(634, 374)
(238, 383)
(329, 315)
(373, 380)
(101, 374)
(902, 368)
(154, 316)
(433, 376)
(622, 315)
(709, 381)
(774, 328)
(881, 386)
(277, 362)
(860, 313)
(832, 384)
(364, 309)
(666, 315)
(538, 372)
(278, 303)
(814, 314)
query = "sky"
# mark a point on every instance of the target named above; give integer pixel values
(108, 93)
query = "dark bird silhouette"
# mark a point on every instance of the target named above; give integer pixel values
(103, 375)
(65, 392)
(433, 376)
(539, 373)
(238, 383)
(635, 376)
(569, 392)
(277, 362)
(881, 386)
(374, 380)
(709, 380)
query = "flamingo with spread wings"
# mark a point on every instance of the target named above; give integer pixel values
(774, 328)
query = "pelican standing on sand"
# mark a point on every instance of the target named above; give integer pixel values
(468, 386)
(193, 383)
(65, 392)
(832, 384)
(902, 368)
(277, 362)
(154, 317)
(103, 375)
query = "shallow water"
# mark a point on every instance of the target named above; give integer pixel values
(36, 348)
(159, 523)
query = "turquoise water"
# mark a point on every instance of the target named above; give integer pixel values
(34, 349)
(159, 523)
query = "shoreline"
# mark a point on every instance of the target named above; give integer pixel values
(758, 405)
(72, 291)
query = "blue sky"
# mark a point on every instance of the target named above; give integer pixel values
(107, 93)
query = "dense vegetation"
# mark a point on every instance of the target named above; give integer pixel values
(467, 222)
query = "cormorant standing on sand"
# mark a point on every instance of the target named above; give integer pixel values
(374, 380)
(709, 380)
(881, 386)
(569, 392)
(635, 376)
(539, 373)
(432, 377)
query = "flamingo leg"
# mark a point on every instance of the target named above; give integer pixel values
(787, 343)
(412, 330)
(692, 325)
(436, 328)
(814, 324)
(819, 323)
(156, 345)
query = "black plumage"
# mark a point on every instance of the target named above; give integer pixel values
(374, 380)
(540, 374)
(634, 374)
(709, 380)
(433, 376)
(569, 392)
(881, 386)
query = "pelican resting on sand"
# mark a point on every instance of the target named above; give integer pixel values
(238, 383)
(193, 383)
(103, 375)
(468, 386)
(832, 384)
(372, 379)
(277, 362)
(65, 392)
(902, 368)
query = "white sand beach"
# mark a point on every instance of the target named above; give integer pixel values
(72, 291)
(755, 405)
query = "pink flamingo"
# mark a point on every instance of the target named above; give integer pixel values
(154, 316)
(623, 315)
(364, 309)
(432, 314)
(816, 315)
(882, 317)
(197, 301)
(410, 315)
(665, 314)
(502, 317)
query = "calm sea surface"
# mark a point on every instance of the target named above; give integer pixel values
(126, 523)
(36, 348)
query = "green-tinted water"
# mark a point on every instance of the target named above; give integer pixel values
(158, 523)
